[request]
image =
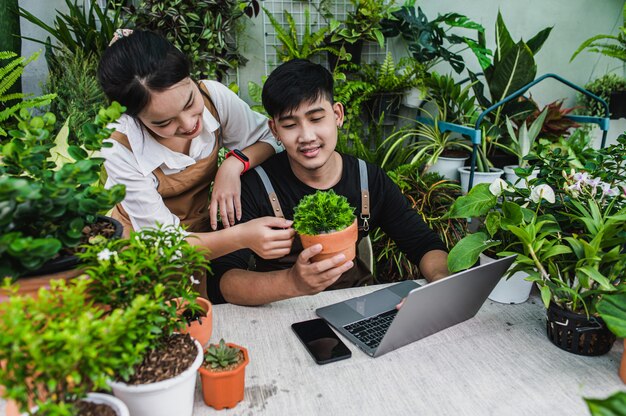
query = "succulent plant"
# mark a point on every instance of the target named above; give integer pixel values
(221, 355)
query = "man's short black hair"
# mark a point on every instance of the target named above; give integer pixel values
(293, 83)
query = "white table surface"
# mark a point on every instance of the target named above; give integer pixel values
(498, 363)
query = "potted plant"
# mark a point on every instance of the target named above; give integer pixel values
(310, 43)
(612, 309)
(430, 41)
(362, 24)
(328, 219)
(521, 144)
(611, 88)
(154, 262)
(59, 347)
(50, 193)
(223, 375)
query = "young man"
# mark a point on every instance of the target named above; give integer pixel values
(298, 96)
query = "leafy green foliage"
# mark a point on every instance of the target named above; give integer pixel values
(612, 309)
(430, 196)
(86, 29)
(614, 405)
(59, 347)
(613, 46)
(12, 103)
(44, 203)
(148, 260)
(430, 42)
(322, 212)
(602, 87)
(221, 355)
(391, 77)
(79, 96)
(205, 30)
(364, 23)
(308, 45)
(455, 104)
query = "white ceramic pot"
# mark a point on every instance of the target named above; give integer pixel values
(448, 167)
(163, 398)
(114, 403)
(413, 98)
(511, 176)
(479, 177)
(512, 290)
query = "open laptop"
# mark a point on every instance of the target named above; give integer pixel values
(374, 324)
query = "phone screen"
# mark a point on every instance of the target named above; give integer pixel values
(321, 342)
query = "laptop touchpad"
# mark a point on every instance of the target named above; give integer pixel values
(375, 303)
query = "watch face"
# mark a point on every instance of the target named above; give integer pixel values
(240, 155)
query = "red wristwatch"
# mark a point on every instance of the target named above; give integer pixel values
(243, 158)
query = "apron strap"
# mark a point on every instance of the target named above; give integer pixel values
(278, 212)
(208, 103)
(365, 196)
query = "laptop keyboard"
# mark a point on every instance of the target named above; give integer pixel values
(370, 331)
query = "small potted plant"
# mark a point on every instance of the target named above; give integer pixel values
(157, 263)
(611, 88)
(223, 375)
(328, 219)
(59, 347)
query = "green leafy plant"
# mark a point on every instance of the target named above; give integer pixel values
(614, 405)
(364, 23)
(612, 309)
(613, 46)
(430, 196)
(522, 139)
(123, 269)
(79, 96)
(454, 101)
(322, 212)
(58, 347)
(221, 355)
(301, 47)
(88, 29)
(430, 41)
(46, 202)
(204, 30)
(602, 87)
(11, 103)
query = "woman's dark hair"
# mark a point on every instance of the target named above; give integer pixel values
(294, 83)
(137, 64)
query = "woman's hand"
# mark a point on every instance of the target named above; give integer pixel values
(269, 237)
(226, 195)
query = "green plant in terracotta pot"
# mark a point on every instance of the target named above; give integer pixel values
(223, 374)
(328, 219)
(59, 347)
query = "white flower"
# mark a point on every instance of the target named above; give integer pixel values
(607, 190)
(542, 192)
(580, 176)
(498, 186)
(106, 254)
(177, 255)
(593, 182)
(194, 281)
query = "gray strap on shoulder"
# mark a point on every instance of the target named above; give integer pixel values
(278, 212)
(365, 195)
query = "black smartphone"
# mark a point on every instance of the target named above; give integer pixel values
(321, 342)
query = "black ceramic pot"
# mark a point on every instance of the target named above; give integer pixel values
(617, 105)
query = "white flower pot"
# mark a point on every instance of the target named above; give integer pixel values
(163, 398)
(114, 403)
(413, 98)
(511, 176)
(512, 290)
(479, 177)
(448, 167)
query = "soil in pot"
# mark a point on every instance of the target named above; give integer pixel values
(175, 355)
(94, 409)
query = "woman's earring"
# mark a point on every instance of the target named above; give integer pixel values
(279, 142)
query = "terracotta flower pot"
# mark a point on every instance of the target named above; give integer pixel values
(622, 368)
(222, 389)
(334, 243)
(201, 330)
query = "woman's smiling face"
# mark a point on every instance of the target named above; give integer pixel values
(175, 112)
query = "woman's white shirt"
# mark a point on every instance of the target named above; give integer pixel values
(241, 127)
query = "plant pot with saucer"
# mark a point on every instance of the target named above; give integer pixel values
(223, 375)
(510, 289)
(479, 177)
(328, 219)
(448, 164)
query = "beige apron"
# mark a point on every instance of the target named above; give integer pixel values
(186, 194)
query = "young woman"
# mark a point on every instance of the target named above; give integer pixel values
(165, 148)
